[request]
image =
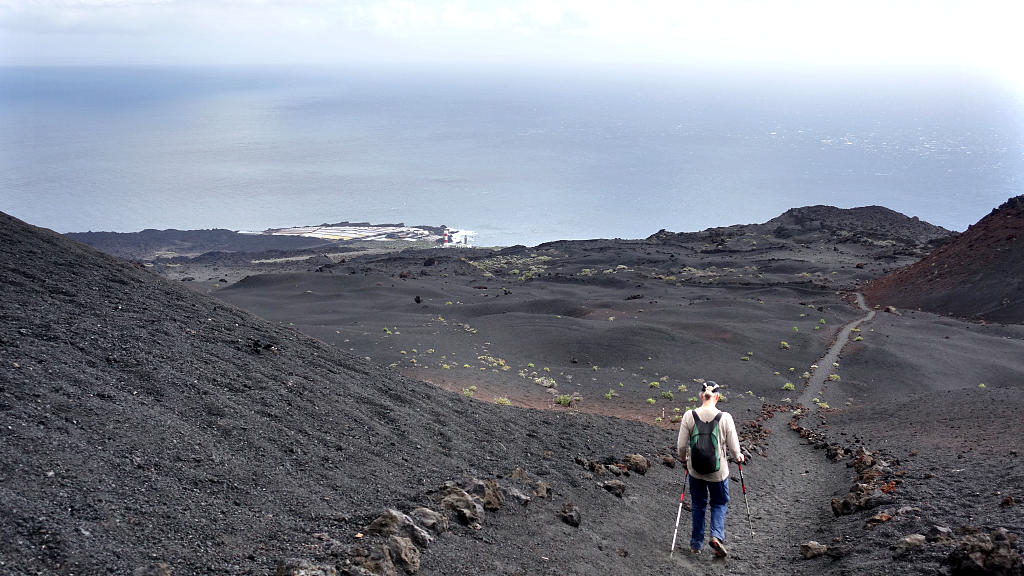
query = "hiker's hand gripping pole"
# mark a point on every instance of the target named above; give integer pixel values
(682, 496)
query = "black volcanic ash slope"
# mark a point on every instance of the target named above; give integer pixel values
(143, 422)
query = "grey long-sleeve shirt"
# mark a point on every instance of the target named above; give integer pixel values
(726, 430)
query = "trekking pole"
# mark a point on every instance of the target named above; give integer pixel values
(743, 485)
(679, 514)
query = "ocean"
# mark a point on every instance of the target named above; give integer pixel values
(519, 157)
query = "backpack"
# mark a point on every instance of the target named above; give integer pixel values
(704, 445)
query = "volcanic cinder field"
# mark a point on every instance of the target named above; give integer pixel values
(259, 409)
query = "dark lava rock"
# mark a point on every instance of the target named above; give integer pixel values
(637, 463)
(468, 510)
(294, 567)
(394, 522)
(812, 549)
(431, 520)
(993, 553)
(487, 491)
(570, 515)
(158, 569)
(406, 554)
(616, 487)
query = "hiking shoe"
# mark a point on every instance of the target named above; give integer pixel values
(718, 547)
(695, 551)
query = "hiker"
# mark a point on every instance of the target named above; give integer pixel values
(702, 444)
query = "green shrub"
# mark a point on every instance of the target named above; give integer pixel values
(666, 395)
(675, 418)
(651, 401)
(858, 338)
(609, 395)
(469, 391)
(654, 385)
(788, 386)
(502, 400)
(784, 345)
(563, 399)
(834, 377)
(657, 419)
(982, 385)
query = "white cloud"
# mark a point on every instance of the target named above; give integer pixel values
(978, 34)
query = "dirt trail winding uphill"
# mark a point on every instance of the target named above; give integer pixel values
(818, 376)
(789, 492)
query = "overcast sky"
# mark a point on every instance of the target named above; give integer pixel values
(976, 34)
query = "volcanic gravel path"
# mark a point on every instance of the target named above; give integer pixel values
(789, 493)
(816, 382)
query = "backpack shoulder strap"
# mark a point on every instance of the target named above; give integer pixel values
(718, 417)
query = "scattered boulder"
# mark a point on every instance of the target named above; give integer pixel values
(468, 510)
(570, 515)
(877, 519)
(835, 452)
(869, 489)
(637, 463)
(668, 461)
(157, 569)
(910, 542)
(487, 491)
(365, 562)
(893, 310)
(394, 522)
(518, 495)
(405, 552)
(542, 489)
(289, 567)
(812, 549)
(431, 520)
(616, 487)
(987, 554)
(1007, 502)
(940, 534)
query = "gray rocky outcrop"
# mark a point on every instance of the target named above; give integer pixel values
(430, 520)
(812, 549)
(394, 522)
(991, 553)
(615, 487)
(405, 553)
(300, 567)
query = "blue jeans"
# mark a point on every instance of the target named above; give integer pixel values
(699, 492)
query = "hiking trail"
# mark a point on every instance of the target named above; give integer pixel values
(789, 491)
